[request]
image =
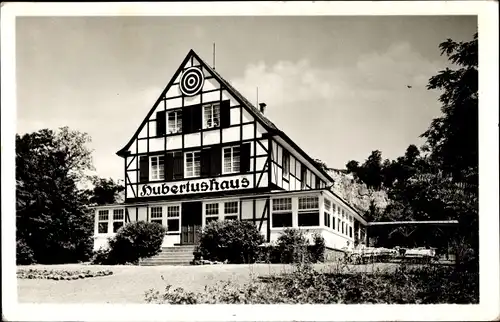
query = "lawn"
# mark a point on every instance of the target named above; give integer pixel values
(129, 283)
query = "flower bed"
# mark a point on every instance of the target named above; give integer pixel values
(59, 274)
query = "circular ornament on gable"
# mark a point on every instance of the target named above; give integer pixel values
(191, 81)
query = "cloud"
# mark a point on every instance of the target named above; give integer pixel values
(356, 108)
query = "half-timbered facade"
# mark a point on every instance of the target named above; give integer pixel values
(204, 152)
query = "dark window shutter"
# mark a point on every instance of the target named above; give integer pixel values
(225, 114)
(161, 123)
(245, 158)
(196, 118)
(187, 126)
(144, 169)
(205, 162)
(215, 161)
(169, 166)
(178, 166)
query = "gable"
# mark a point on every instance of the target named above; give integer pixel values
(195, 83)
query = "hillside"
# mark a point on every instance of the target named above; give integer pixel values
(355, 193)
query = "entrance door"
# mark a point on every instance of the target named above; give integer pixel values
(191, 222)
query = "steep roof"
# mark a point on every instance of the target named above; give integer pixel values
(268, 125)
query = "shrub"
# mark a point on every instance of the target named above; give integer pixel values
(304, 285)
(317, 249)
(24, 254)
(136, 240)
(232, 240)
(292, 245)
(102, 256)
(59, 274)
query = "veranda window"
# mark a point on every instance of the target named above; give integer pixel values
(192, 164)
(211, 212)
(118, 219)
(308, 211)
(327, 213)
(282, 212)
(157, 215)
(231, 210)
(102, 219)
(174, 124)
(157, 167)
(231, 159)
(173, 218)
(211, 116)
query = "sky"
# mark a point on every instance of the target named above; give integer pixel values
(337, 85)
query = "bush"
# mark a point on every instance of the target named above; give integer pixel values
(102, 256)
(136, 240)
(317, 249)
(59, 274)
(24, 254)
(428, 285)
(292, 245)
(232, 240)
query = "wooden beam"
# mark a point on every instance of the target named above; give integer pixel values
(429, 222)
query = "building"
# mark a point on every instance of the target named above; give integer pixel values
(204, 152)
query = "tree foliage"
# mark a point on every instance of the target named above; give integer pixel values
(52, 219)
(104, 191)
(440, 180)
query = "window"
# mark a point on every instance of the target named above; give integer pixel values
(303, 177)
(286, 164)
(174, 124)
(157, 215)
(326, 219)
(192, 164)
(308, 211)
(211, 212)
(282, 212)
(211, 116)
(350, 231)
(102, 218)
(328, 205)
(118, 219)
(333, 222)
(231, 159)
(282, 204)
(338, 224)
(173, 215)
(306, 203)
(231, 210)
(157, 167)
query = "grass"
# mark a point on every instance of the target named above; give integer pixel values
(128, 284)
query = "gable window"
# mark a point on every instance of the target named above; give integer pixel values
(192, 164)
(211, 116)
(173, 215)
(282, 212)
(174, 124)
(211, 212)
(118, 219)
(286, 164)
(157, 215)
(157, 167)
(231, 159)
(308, 211)
(102, 219)
(231, 210)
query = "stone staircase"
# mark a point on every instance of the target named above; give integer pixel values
(177, 255)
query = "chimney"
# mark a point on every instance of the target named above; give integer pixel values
(262, 107)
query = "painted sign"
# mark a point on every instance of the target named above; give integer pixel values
(195, 186)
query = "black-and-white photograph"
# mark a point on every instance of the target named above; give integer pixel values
(184, 159)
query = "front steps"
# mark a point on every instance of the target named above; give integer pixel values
(177, 255)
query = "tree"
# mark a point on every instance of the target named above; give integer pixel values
(105, 191)
(52, 219)
(452, 139)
